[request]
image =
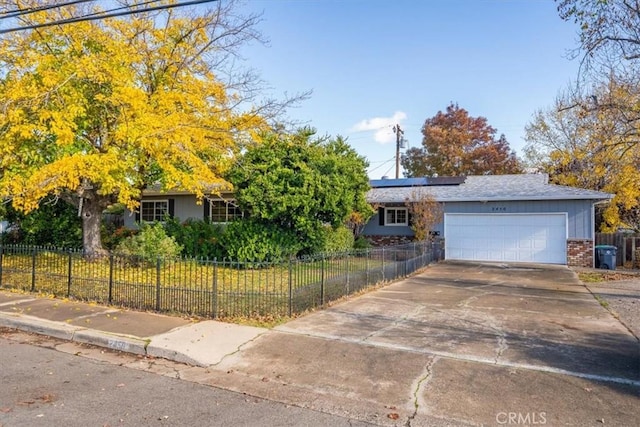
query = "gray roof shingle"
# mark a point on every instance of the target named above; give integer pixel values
(481, 188)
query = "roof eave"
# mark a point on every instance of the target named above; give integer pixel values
(506, 199)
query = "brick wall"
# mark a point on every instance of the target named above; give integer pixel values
(388, 240)
(580, 253)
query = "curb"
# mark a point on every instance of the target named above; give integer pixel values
(111, 341)
(39, 326)
(74, 333)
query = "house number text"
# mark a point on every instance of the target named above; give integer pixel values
(498, 209)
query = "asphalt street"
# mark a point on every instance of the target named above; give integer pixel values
(45, 387)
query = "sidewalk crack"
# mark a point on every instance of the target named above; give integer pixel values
(239, 348)
(426, 375)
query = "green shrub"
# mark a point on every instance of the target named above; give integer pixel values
(54, 223)
(149, 244)
(338, 240)
(112, 235)
(361, 243)
(251, 240)
(198, 238)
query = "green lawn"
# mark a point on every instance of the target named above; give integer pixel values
(222, 290)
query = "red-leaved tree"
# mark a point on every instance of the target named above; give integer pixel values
(455, 144)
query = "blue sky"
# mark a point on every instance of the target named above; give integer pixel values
(372, 64)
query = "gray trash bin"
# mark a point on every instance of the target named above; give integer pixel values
(606, 257)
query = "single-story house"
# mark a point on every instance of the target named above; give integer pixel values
(504, 218)
(156, 205)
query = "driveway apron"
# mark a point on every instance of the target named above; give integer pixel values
(458, 344)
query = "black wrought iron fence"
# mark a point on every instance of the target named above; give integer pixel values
(209, 288)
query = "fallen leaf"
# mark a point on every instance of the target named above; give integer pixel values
(47, 398)
(393, 416)
(5, 410)
(120, 385)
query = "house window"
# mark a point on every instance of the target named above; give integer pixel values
(222, 211)
(396, 216)
(154, 210)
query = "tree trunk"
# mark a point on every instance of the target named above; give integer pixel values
(91, 211)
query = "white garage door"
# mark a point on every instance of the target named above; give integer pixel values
(506, 237)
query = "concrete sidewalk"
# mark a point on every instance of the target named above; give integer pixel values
(202, 343)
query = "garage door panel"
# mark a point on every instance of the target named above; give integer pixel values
(506, 237)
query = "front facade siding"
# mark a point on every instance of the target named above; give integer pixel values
(185, 207)
(579, 224)
(373, 228)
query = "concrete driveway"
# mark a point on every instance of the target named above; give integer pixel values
(459, 344)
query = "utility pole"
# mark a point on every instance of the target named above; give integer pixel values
(399, 137)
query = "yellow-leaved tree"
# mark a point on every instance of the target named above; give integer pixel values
(93, 112)
(588, 141)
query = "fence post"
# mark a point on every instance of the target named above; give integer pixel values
(322, 281)
(158, 284)
(215, 288)
(348, 258)
(395, 264)
(366, 267)
(111, 264)
(33, 269)
(1, 260)
(290, 288)
(383, 263)
(69, 275)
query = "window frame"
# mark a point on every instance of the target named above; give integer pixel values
(227, 216)
(396, 210)
(155, 213)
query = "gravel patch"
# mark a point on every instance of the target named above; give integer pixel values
(622, 299)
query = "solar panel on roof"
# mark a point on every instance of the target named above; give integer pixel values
(446, 180)
(417, 182)
(403, 182)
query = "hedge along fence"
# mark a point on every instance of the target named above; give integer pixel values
(208, 288)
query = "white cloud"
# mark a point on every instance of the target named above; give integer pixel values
(381, 126)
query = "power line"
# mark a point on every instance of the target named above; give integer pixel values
(388, 170)
(105, 15)
(99, 14)
(384, 162)
(21, 12)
